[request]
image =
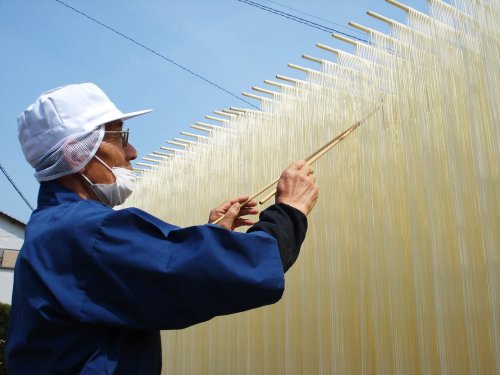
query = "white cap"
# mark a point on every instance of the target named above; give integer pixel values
(66, 121)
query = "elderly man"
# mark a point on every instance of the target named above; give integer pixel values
(94, 286)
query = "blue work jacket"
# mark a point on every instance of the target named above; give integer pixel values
(93, 286)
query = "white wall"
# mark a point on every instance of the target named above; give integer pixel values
(11, 235)
(6, 284)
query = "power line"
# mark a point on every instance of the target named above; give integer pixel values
(299, 19)
(15, 187)
(154, 52)
(312, 15)
(289, 16)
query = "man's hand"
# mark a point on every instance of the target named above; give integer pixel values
(234, 213)
(297, 187)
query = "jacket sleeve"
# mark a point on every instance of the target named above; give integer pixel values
(288, 225)
(146, 274)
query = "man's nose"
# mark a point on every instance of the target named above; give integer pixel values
(130, 152)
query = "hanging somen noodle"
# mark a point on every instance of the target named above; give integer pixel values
(400, 269)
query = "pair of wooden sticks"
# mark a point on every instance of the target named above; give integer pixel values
(309, 160)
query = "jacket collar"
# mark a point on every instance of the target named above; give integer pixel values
(52, 193)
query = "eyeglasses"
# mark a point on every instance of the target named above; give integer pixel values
(123, 134)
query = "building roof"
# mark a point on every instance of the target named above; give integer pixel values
(13, 220)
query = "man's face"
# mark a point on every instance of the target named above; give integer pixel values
(113, 152)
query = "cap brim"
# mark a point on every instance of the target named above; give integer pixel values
(127, 116)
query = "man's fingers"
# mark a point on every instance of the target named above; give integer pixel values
(300, 164)
(225, 206)
(234, 210)
(297, 188)
(302, 167)
(230, 216)
(250, 204)
(248, 208)
(241, 199)
(233, 218)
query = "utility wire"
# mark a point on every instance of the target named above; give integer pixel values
(15, 187)
(289, 16)
(298, 19)
(155, 52)
(313, 16)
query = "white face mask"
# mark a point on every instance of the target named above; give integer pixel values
(116, 193)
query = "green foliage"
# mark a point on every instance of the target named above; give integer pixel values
(4, 322)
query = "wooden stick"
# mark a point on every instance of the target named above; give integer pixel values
(243, 110)
(226, 114)
(327, 48)
(155, 156)
(344, 39)
(228, 111)
(175, 143)
(275, 84)
(319, 153)
(380, 18)
(162, 154)
(197, 127)
(146, 165)
(159, 156)
(249, 199)
(181, 140)
(301, 68)
(310, 160)
(359, 27)
(150, 159)
(211, 126)
(248, 95)
(327, 147)
(197, 136)
(216, 118)
(174, 150)
(288, 79)
(397, 4)
(255, 88)
(311, 58)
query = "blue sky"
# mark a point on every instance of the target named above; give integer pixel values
(45, 45)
